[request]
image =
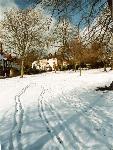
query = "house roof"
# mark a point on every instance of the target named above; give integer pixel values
(6, 56)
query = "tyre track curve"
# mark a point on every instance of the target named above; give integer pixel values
(15, 135)
(50, 129)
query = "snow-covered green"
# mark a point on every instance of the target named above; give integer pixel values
(57, 111)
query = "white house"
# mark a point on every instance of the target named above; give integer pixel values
(35, 64)
(53, 62)
(43, 64)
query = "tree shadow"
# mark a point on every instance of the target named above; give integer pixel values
(88, 128)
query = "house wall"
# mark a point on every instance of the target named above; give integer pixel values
(52, 62)
(1, 57)
(43, 63)
(35, 64)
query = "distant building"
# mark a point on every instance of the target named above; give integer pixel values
(45, 64)
(35, 65)
(50, 64)
(53, 62)
(5, 62)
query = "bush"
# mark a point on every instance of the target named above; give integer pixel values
(31, 71)
(64, 68)
(16, 72)
(69, 67)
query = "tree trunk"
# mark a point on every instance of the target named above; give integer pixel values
(61, 65)
(105, 67)
(11, 72)
(75, 67)
(22, 69)
(80, 70)
(111, 65)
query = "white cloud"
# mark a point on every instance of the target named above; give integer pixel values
(5, 5)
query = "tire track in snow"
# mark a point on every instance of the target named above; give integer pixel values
(72, 138)
(64, 125)
(15, 135)
(50, 129)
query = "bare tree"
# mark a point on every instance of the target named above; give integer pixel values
(100, 29)
(23, 31)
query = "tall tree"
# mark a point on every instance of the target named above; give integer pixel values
(23, 31)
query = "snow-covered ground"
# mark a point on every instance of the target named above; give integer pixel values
(59, 111)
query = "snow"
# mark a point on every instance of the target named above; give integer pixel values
(57, 111)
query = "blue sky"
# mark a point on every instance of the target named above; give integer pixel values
(18, 3)
(6, 4)
(24, 3)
